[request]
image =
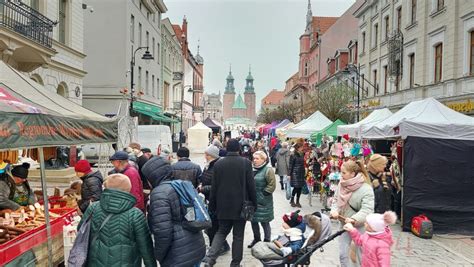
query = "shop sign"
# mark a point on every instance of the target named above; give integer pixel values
(464, 107)
(374, 103)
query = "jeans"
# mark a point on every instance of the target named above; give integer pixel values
(267, 231)
(238, 228)
(344, 247)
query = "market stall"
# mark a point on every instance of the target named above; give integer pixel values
(330, 130)
(279, 125)
(353, 130)
(212, 124)
(33, 117)
(316, 122)
(198, 138)
(437, 165)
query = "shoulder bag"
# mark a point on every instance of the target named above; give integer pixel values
(248, 209)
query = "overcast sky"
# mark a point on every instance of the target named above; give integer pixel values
(263, 33)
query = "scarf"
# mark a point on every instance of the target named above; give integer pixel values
(258, 168)
(347, 187)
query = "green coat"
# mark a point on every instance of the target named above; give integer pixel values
(125, 239)
(264, 185)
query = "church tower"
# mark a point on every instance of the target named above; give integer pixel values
(229, 96)
(249, 96)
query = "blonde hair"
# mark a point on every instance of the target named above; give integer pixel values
(118, 181)
(261, 154)
(356, 167)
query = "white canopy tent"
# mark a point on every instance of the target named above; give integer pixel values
(353, 130)
(305, 128)
(198, 138)
(425, 118)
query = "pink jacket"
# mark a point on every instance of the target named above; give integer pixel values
(375, 248)
(137, 186)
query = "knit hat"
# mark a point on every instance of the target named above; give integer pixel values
(83, 166)
(377, 163)
(212, 151)
(378, 222)
(293, 218)
(346, 136)
(21, 171)
(233, 145)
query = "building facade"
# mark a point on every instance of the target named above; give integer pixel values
(213, 107)
(410, 50)
(51, 54)
(273, 100)
(234, 105)
(107, 87)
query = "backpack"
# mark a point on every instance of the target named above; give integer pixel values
(195, 215)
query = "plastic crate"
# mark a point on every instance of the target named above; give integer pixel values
(55, 201)
(26, 241)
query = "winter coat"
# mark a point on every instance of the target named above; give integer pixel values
(7, 192)
(375, 248)
(91, 189)
(125, 238)
(137, 186)
(297, 170)
(283, 161)
(206, 179)
(360, 205)
(265, 185)
(174, 246)
(227, 193)
(186, 170)
(382, 194)
(140, 162)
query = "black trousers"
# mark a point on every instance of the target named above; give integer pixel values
(267, 231)
(238, 229)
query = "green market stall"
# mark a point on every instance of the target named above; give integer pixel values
(31, 116)
(330, 130)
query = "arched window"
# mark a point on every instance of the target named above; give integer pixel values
(37, 78)
(62, 90)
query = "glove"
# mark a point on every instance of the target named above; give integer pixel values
(348, 227)
(286, 251)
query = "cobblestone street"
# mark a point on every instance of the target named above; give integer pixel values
(408, 249)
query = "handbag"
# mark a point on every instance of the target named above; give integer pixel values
(80, 248)
(248, 209)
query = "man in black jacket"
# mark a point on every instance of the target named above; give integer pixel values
(227, 195)
(184, 169)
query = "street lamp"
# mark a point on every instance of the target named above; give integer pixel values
(351, 68)
(146, 56)
(181, 133)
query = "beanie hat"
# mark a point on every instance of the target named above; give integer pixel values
(183, 152)
(293, 218)
(233, 145)
(212, 151)
(378, 222)
(83, 166)
(21, 171)
(377, 163)
(346, 136)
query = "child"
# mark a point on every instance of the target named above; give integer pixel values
(377, 239)
(293, 229)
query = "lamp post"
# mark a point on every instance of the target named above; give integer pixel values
(181, 132)
(351, 68)
(146, 56)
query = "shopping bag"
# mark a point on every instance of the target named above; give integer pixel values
(78, 253)
(288, 188)
(305, 189)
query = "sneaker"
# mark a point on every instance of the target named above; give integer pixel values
(253, 243)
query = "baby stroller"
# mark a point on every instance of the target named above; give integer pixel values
(302, 256)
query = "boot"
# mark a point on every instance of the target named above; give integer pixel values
(298, 204)
(255, 241)
(282, 185)
(292, 203)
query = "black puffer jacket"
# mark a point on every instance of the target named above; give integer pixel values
(297, 171)
(91, 189)
(186, 170)
(382, 193)
(206, 179)
(174, 246)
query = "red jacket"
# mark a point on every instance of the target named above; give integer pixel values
(137, 186)
(375, 248)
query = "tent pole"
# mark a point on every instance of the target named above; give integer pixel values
(402, 184)
(46, 208)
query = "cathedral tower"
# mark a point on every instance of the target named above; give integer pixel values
(229, 96)
(249, 97)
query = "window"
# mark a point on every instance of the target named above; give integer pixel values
(153, 46)
(376, 34)
(411, 59)
(362, 80)
(35, 5)
(146, 83)
(153, 85)
(399, 19)
(158, 94)
(158, 53)
(337, 64)
(413, 11)
(375, 83)
(387, 30)
(363, 42)
(139, 34)
(139, 78)
(471, 51)
(438, 62)
(306, 69)
(350, 55)
(132, 28)
(147, 39)
(440, 4)
(385, 81)
(62, 21)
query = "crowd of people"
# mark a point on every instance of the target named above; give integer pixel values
(136, 214)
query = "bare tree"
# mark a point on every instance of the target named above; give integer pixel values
(284, 111)
(333, 102)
